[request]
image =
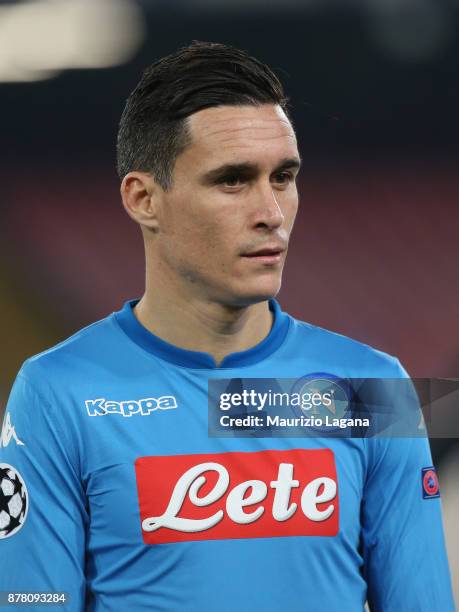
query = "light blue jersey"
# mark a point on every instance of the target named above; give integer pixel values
(113, 491)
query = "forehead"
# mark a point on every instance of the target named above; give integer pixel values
(227, 132)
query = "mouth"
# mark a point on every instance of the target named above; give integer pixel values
(267, 255)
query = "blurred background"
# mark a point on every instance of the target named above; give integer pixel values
(374, 87)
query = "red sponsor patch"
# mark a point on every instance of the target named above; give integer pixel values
(217, 496)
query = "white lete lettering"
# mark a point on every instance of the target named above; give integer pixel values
(192, 480)
(190, 483)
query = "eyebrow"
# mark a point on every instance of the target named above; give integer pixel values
(247, 169)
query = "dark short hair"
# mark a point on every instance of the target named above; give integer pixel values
(153, 129)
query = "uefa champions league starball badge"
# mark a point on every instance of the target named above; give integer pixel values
(14, 501)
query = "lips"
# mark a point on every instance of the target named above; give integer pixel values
(265, 252)
(267, 255)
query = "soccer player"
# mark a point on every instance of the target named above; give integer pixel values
(112, 489)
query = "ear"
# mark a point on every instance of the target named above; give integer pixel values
(140, 193)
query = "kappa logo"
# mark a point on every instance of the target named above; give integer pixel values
(9, 433)
(144, 407)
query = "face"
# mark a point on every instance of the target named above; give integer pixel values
(224, 225)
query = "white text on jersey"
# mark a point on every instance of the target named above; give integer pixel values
(101, 406)
(8, 433)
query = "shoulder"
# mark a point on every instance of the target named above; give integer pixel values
(82, 350)
(343, 352)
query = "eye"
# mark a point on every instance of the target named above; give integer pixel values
(231, 181)
(283, 177)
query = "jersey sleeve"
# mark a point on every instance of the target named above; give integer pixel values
(405, 559)
(43, 514)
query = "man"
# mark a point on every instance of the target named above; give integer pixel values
(114, 491)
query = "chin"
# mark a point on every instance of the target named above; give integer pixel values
(253, 293)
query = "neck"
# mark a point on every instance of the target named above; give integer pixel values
(198, 325)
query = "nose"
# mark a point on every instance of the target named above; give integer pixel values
(267, 213)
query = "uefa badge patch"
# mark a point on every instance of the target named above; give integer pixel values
(14, 501)
(430, 486)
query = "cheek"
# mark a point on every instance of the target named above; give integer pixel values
(291, 209)
(214, 247)
(192, 241)
(294, 210)
(200, 231)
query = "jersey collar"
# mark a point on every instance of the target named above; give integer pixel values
(196, 359)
